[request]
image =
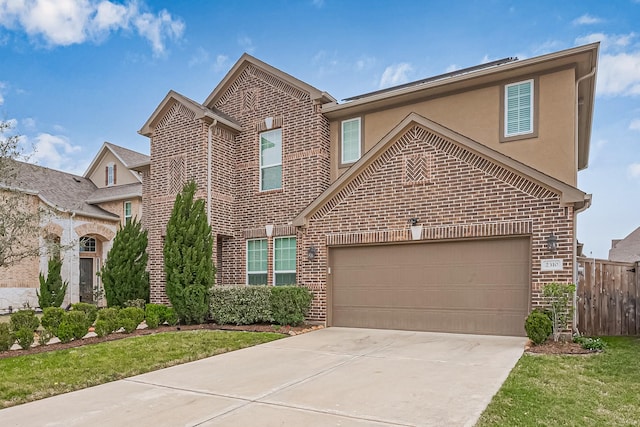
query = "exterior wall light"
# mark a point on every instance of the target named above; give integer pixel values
(312, 253)
(552, 242)
(416, 230)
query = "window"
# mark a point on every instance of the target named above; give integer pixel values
(271, 160)
(110, 174)
(87, 244)
(518, 108)
(127, 212)
(257, 262)
(351, 141)
(284, 261)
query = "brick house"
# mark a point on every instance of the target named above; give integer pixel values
(82, 215)
(442, 205)
(627, 249)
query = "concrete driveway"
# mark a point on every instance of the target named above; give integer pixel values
(334, 376)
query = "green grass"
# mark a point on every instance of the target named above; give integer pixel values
(27, 378)
(593, 390)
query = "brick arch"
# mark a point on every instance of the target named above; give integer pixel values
(98, 230)
(52, 228)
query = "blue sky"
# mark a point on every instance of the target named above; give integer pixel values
(74, 74)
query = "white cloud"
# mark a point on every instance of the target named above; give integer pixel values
(635, 124)
(395, 75)
(586, 19)
(634, 170)
(365, 63)
(246, 44)
(3, 85)
(607, 41)
(318, 3)
(221, 63)
(29, 123)
(68, 22)
(619, 74)
(57, 152)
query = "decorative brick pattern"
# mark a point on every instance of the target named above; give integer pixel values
(417, 169)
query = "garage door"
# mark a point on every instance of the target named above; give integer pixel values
(475, 286)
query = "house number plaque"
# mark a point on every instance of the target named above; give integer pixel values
(551, 265)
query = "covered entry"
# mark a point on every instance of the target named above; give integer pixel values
(470, 286)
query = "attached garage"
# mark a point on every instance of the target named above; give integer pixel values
(469, 286)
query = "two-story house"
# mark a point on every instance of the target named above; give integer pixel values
(81, 215)
(441, 205)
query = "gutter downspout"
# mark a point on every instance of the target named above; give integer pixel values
(209, 150)
(584, 207)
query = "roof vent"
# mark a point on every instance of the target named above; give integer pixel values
(76, 179)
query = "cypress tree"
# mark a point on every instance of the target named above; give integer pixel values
(52, 289)
(188, 263)
(124, 274)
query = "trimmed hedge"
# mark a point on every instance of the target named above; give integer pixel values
(158, 314)
(538, 326)
(129, 318)
(244, 305)
(241, 305)
(90, 309)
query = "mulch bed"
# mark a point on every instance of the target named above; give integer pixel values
(286, 330)
(551, 347)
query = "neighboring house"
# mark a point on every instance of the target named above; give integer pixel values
(627, 249)
(82, 215)
(439, 205)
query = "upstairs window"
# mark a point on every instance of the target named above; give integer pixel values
(271, 160)
(284, 261)
(257, 262)
(127, 212)
(351, 141)
(110, 174)
(518, 108)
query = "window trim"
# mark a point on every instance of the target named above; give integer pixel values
(276, 272)
(342, 162)
(246, 267)
(262, 166)
(91, 248)
(534, 115)
(110, 178)
(128, 218)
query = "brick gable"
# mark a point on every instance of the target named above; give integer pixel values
(461, 195)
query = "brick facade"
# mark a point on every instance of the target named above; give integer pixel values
(456, 192)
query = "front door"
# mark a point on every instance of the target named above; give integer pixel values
(86, 280)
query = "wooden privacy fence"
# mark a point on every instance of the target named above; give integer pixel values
(608, 297)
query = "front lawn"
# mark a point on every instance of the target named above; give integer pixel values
(592, 390)
(33, 377)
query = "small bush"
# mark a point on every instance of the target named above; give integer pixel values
(590, 343)
(44, 337)
(171, 317)
(24, 319)
(140, 303)
(108, 318)
(538, 327)
(25, 337)
(129, 318)
(51, 319)
(290, 304)
(6, 340)
(241, 305)
(74, 325)
(102, 328)
(152, 320)
(90, 309)
(155, 314)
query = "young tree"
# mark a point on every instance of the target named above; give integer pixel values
(52, 289)
(559, 296)
(19, 213)
(188, 264)
(124, 274)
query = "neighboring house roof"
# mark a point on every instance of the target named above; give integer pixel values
(316, 95)
(200, 111)
(62, 191)
(627, 249)
(116, 192)
(583, 58)
(568, 194)
(128, 158)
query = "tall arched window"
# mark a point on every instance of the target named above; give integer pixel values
(87, 244)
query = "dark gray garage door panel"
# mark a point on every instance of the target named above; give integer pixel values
(476, 286)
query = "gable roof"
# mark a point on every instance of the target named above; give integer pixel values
(200, 111)
(584, 59)
(568, 194)
(116, 192)
(317, 96)
(627, 249)
(126, 156)
(62, 191)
